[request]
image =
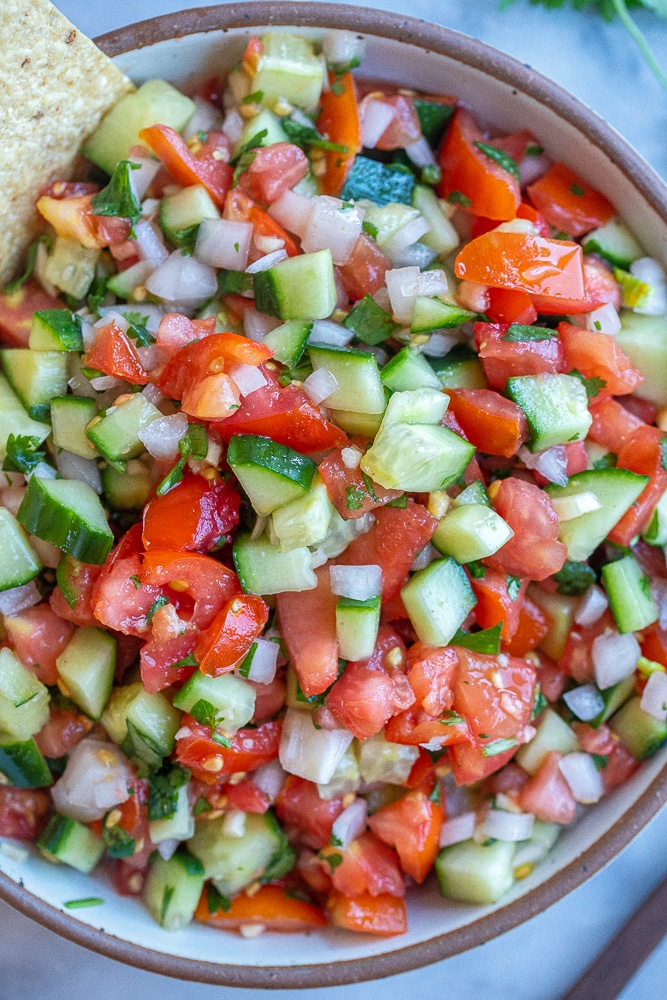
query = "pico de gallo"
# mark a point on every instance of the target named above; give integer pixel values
(334, 501)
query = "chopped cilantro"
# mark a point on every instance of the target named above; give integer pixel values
(577, 189)
(534, 150)
(476, 569)
(513, 587)
(574, 578)
(206, 714)
(333, 860)
(354, 497)
(244, 667)
(607, 461)
(246, 155)
(187, 661)
(600, 760)
(79, 904)
(23, 454)
(499, 746)
(163, 788)
(337, 88)
(118, 842)
(539, 704)
(371, 229)
(485, 641)
(215, 901)
(305, 135)
(202, 805)
(135, 580)
(166, 900)
(500, 157)
(431, 174)
(520, 332)
(458, 198)
(256, 97)
(336, 841)
(158, 603)
(118, 197)
(591, 385)
(401, 501)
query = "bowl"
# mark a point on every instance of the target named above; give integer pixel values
(510, 96)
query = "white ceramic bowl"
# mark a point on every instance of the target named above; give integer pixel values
(510, 96)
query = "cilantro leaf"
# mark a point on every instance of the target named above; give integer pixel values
(118, 197)
(498, 156)
(31, 257)
(163, 788)
(118, 842)
(304, 135)
(246, 155)
(23, 454)
(591, 385)
(574, 578)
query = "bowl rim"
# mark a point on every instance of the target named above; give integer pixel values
(505, 69)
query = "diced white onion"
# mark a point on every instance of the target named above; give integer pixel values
(71, 466)
(112, 315)
(269, 779)
(269, 260)
(654, 696)
(222, 243)
(503, 825)
(551, 463)
(42, 471)
(256, 325)
(421, 153)
(605, 319)
(649, 270)
(568, 508)
(334, 225)
(292, 211)
(325, 331)
(183, 279)
(591, 607)
(582, 776)
(340, 48)
(403, 287)
(96, 778)
(320, 384)
(160, 438)
(167, 848)
(351, 457)
(142, 178)
(149, 243)
(233, 126)
(416, 255)
(404, 237)
(263, 665)
(614, 657)
(376, 118)
(424, 558)
(308, 752)
(19, 598)
(457, 829)
(318, 558)
(585, 701)
(659, 595)
(532, 167)
(433, 283)
(359, 583)
(234, 823)
(439, 345)
(247, 378)
(204, 118)
(350, 824)
(104, 382)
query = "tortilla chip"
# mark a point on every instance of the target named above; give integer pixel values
(55, 86)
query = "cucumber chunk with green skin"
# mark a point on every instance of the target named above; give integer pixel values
(234, 862)
(456, 371)
(417, 458)
(179, 824)
(181, 214)
(442, 235)
(116, 434)
(86, 666)
(359, 386)
(55, 330)
(640, 732)
(384, 221)
(22, 763)
(19, 561)
(124, 283)
(304, 521)
(473, 494)
(369, 322)
(357, 624)
(434, 314)
(15, 420)
(471, 531)
(67, 513)
(616, 490)
(416, 406)
(226, 701)
(129, 490)
(288, 342)
(173, 889)
(288, 69)
(614, 242)
(381, 183)
(251, 136)
(556, 408)
(438, 600)
(644, 340)
(364, 424)
(144, 725)
(476, 873)
(300, 287)
(561, 610)
(72, 843)
(629, 591)
(655, 533)
(155, 101)
(409, 369)
(264, 569)
(24, 700)
(613, 697)
(271, 474)
(553, 733)
(36, 377)
(70, 415)
(71, 267)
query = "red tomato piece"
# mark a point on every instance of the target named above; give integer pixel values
(642, 453)
(121, 599)
(240, 208)
(308, 816)
(472, 179)
(547, 794)
(38, 637)
(495, 604)
(232, 633)
(534, 551)
(613, 425)
(600, 285)
(597, 355)
(381, 915)
(339, 122)
(471, 762)
(207, 167)
(364, 272)
(492, 423)
(412, 826)
(176, 331)
(367, 866)
(160, 659)
(272, 906)
(113, 353)
(364, 698)
(246, 797)
(22, 812)
(568, 203)
(414, 726)
(404, 129)
(214, 398)
(621, 765)
(533, 625)
(654, 645)
(431, 676)
(269, 698)
(208, 357)
(525, 263)
(78, 609)
(312, 647)
(199, 580)
(496, 697)
(508, 306)
(195, 514)
(347, 487)
(16, 309)
(274, 170)
(502, 358)
(209, 760)
(62, 731)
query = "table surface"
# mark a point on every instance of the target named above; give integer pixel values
(542, 958)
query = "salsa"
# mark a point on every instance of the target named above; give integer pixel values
(334, 501)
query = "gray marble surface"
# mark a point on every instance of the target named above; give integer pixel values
(541, 959)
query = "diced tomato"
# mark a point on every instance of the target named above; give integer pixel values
(495, 604)
(508, 306)
(38, 637)
(577, 660)
(492, 423)
(642, 408)
(236, 626)
(214, 398)
(72, 216)
(471, 762)
(209, 760)
(62, 731)
(160, 659)
(121, 600)
(269, 698)
(431, 675)
(364, 698)
(16, 309)
(176, 331)
(134, 821)
(526, 263)
(495, 697)
(382, 915)
(472, 179)
(82, 578)
(621, 765)
(504, 358)
(524, 211)
(509, 781)
(568, 203)
(339, 122)
(367, 866)
(551, 678)
(654, 645)
(348, 490)
(597, 355)
(422, 775)
(365, 269)
(304, 812)
(127, 880)
(113, 353)
(404, 128)
(412, 826)
(642, 453)
(240, 208)
(274, 170)
(313, 650)
(246, 797)
(272, 906)
(534, 624)
(194, 515)
(208, 357)
(600, 287)
(398, 534)
(200, 581)
(613, 425)
(22, 812)
(547, 794)
(207, 167)
(414, 726)
(534, 551)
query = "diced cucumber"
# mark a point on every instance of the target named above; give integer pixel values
(263, 569)
(304, 521)
(614, 242)
(438, 600)
(288, 70)
(20, 563)
(36, 377)
(15, 420)
(553, 733)
(416, 406)
(67, 513)
(409, 369)
(70, 415)
(173, 889)
(530, 852)
(70, 842)
(434, 314)
(640, 732)
(613, 697)
(616, 490)
(442, 235)
(234, 862)
(143, 724)
(476, 873)
(129, 490)
(265, 122)
(180, 825)
(644, 340)
(55, 330)
(181, 213)
(22, 763)
(359, 386)
(300, 287)
(86, 665)
(364, 424)
(271, 474)
(226, 701)
(369, 322)
(116, 434)
(629, 591)
(387, 220)
(418, 458)
(561, 610)
(71, 267)
(24, 700)
(288, 342)
(382, 760)
(155, 101)
(556, 408)
(357, 624)
(124, 283)
(459, 370)
(473, 494)
(655, 533)
(471, 531)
